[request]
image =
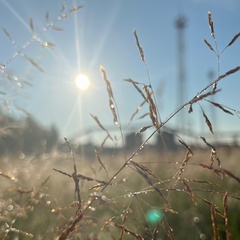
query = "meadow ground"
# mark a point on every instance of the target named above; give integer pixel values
(189, 197)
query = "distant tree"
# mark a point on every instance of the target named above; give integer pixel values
(26, 136)
(37, 139)
(52, 138)
(10, 132)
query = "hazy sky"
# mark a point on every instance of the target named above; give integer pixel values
(101, 33)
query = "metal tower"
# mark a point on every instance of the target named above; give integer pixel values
(180, 25)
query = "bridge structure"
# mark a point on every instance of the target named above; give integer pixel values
(89, 135)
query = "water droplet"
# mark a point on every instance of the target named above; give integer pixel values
(45, 44)
(97, 194)
(196, 219)
(202, 236)
(124, 180)
(104, 198)
(59, 18)
(177, 163)
(26, 45)
(44, 29)
(21, 155)
(48, 202)
(141, 147)
(19, 84)
(15, 78)
(15, 54)
(93, 209)
(10, 207)
(2, 68)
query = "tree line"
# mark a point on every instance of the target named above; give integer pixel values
(25, 136)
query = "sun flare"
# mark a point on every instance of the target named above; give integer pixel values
(82, 81)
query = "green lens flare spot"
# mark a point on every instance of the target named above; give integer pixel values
(154, 215)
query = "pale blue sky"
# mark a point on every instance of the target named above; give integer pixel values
(101, 33)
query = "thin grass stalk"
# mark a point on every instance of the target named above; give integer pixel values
(75, 173)
(214, 223)
(226, 219)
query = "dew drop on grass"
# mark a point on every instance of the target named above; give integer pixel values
(196, 219)
(21, 155)
(10, 207)
(112, 106)
(15, 78)
(26, 44)
(45, 44)
(104, 198)
(202, 236)
(2, 68)
(19, 84)
(97, 194)
(15, 54)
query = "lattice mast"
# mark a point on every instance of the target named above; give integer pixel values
(180, 25)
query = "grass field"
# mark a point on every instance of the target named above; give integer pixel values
(188, 200)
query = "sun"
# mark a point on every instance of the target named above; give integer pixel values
(82, 81)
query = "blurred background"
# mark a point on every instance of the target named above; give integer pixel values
(43, 92)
